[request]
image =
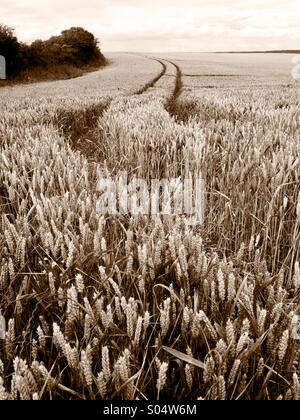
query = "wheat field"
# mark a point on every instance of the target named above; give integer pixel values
(138, 307)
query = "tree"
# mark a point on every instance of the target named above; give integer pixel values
(83, 44)
(74, 46)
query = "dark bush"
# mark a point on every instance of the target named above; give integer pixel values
(74, 47)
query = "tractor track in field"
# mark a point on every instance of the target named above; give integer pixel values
(171, 105)
(178, 84)
(153, 82)
(83, 136)
(82, 129)
(68, 122)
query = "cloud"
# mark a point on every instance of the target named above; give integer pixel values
(144, 25)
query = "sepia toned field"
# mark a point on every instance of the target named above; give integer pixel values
(142, 307)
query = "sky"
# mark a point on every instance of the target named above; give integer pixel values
(162, 25)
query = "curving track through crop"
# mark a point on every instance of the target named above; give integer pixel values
(86, 140)
(171, 104)
(153, 82)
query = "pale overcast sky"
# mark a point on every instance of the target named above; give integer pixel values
(162, 25)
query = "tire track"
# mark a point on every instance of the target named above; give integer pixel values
(82, 128)
(178, 84)
(84, 122)
(153, 82)
(171, 105)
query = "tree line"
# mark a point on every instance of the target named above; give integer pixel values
(75, 46)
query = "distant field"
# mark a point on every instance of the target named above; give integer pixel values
(232, 70)
(142, 306)
(255, 65)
